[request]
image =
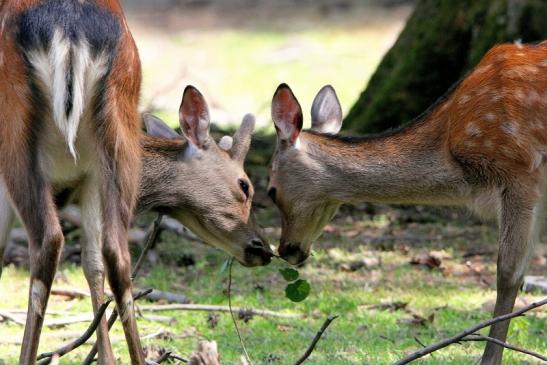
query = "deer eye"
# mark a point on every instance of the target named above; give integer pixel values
(244, 187)
(272, 193)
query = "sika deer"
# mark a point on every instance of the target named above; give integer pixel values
(483, 146)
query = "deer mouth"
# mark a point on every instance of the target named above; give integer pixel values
(292, 253)
(257, 256)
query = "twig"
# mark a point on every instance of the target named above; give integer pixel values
(152, 237)
(79, 341)
(504, 344)
(455, 339)
(232, 313)
(10, 317)
(218, 308)
(316, 339)
(70, 293)
(87, 334)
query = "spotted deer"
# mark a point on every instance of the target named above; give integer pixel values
(70, 78)
(484, 145)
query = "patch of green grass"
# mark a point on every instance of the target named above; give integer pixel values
(361, 335)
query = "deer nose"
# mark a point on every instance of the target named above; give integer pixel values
(258, 253)
(292, 253)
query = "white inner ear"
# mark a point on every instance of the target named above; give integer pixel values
(191, 150)
(226, 143)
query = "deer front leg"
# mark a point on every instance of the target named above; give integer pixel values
(92, 262)
(520, 224)
(7, 217)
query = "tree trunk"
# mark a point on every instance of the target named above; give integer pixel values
(441, 42)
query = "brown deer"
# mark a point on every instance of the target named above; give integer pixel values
(70, 85)
(484, 146)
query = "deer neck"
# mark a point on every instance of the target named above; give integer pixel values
(409, 166)
(159, 178)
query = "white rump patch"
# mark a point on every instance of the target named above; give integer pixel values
(51, 67)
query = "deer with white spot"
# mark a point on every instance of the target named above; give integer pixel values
(484, 145)
(69, 94)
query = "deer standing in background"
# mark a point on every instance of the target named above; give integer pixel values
(70, 78)
(484, 146)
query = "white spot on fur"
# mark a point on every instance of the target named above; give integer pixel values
(37, 296)
(543, 63)
(463, 99)
(490, 117)
(509, 128)
(519, 95)
(533, 97)
(472, 130)
(483, 69)
(51, 68)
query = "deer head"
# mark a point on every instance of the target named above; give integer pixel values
(296, 180)
(201, 183)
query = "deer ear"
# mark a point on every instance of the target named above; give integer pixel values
(156, 127)
(326, 112)
(242, 139)
(194, 117)
(286, 114)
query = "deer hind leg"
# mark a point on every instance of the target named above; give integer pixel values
(92, 262)
(520, 225)
(7, 217)
(118, 186)
(31, 196)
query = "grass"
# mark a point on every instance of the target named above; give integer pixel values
(452, 295)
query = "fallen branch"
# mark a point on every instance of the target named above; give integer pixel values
(218, 308)
(504, 344)
(458, 338)
(157, 295)
(316, 339)
(10, 317)
(49, 356)
(86, 335)
(70, 293)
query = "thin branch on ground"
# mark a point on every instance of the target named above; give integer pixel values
(150, 241)
(219, 308)
(316, 339)
(10, 317)
(475, 337)
(48, 356)
(469, 332)
(232, 313)
(79, 341)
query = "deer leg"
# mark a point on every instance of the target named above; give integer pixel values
(7, 217)
(119, 184)
(520, 224)
(31, 196)
(92, 262)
